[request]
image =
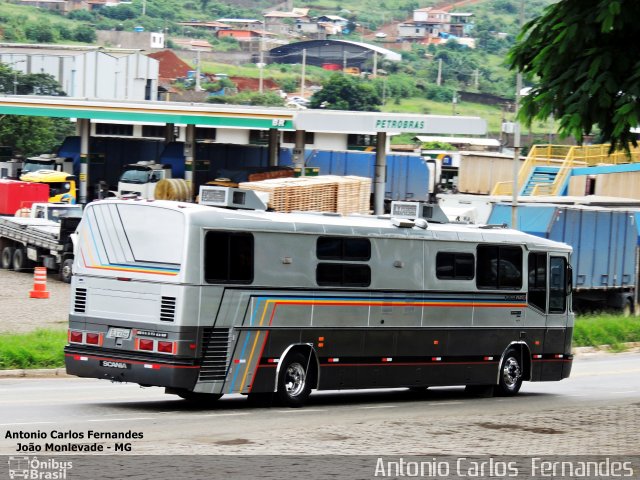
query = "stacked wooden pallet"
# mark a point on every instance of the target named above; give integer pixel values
(352, 194)
(326, 193)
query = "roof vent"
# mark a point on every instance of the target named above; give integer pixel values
(402, 223)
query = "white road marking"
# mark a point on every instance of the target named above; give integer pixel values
(377, 406)
(218, 415)
(623, 392)
(26, 423)
(604, 373)
(118, 419)
(301, 410)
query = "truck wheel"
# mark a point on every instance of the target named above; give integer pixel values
(7, 257)
(293, 383)
(628, 309)
(66, 270)
(510, 374)
(20, 260)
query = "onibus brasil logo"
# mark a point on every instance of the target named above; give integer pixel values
(34, 469)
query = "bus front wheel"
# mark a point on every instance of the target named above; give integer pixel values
(510, 375)
(293, 382)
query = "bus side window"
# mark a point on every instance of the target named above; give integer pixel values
(538, 280)
(499, 267)
(557, 285)
(228, 257)
(454, 266)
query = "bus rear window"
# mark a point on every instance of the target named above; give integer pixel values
(228, 257)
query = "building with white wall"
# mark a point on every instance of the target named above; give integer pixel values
(88, 72)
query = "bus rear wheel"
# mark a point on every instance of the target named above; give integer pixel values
(293, 382)
(510, 375)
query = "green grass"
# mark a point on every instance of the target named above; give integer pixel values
(606, 329)
(39, 349)
(33, 14)
(273, 71)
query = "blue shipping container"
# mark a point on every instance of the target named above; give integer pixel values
(603, 240)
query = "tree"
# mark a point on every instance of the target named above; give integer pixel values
(31, 135)
(85, 33)
(345, 92)
(581, 56)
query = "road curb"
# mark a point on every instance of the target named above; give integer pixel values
(34, 373)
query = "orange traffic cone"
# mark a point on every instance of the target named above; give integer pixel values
(39, 283)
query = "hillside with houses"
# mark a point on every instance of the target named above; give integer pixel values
(275, 53)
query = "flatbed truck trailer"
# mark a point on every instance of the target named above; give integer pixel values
(44, 238)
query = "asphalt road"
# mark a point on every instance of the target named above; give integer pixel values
(596, 411)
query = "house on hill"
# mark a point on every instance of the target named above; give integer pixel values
(429, 24)
(283, 23)
(213, 26)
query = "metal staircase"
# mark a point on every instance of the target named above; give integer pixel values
(547, 169)
(540, 181)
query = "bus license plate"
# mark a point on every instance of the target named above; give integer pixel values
(115, 332)
(114, 364)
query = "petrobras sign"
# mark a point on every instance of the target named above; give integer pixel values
(373, 122)
(399, 125)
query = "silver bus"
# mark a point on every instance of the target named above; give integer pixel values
(207, 301)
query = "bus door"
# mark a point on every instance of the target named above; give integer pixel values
(558, 306)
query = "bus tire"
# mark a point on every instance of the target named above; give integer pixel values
(7, 258)
(510, 375)
(20, 260)
(294, 387)
(66, 270)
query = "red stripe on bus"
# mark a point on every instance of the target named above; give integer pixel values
(133, 362)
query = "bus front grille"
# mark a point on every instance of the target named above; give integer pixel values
(215, 343)
(80, 301)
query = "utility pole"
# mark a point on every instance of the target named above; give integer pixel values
(304, 64)
(384, 91)
(198, 88)
(375, 64)
(477, 78)
(344, 60)
(516, 140)
(261, 67)
(439, 80)
(144, 7)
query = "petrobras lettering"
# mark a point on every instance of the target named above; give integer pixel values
(390, 124)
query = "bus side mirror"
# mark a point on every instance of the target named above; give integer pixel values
(569, 279)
